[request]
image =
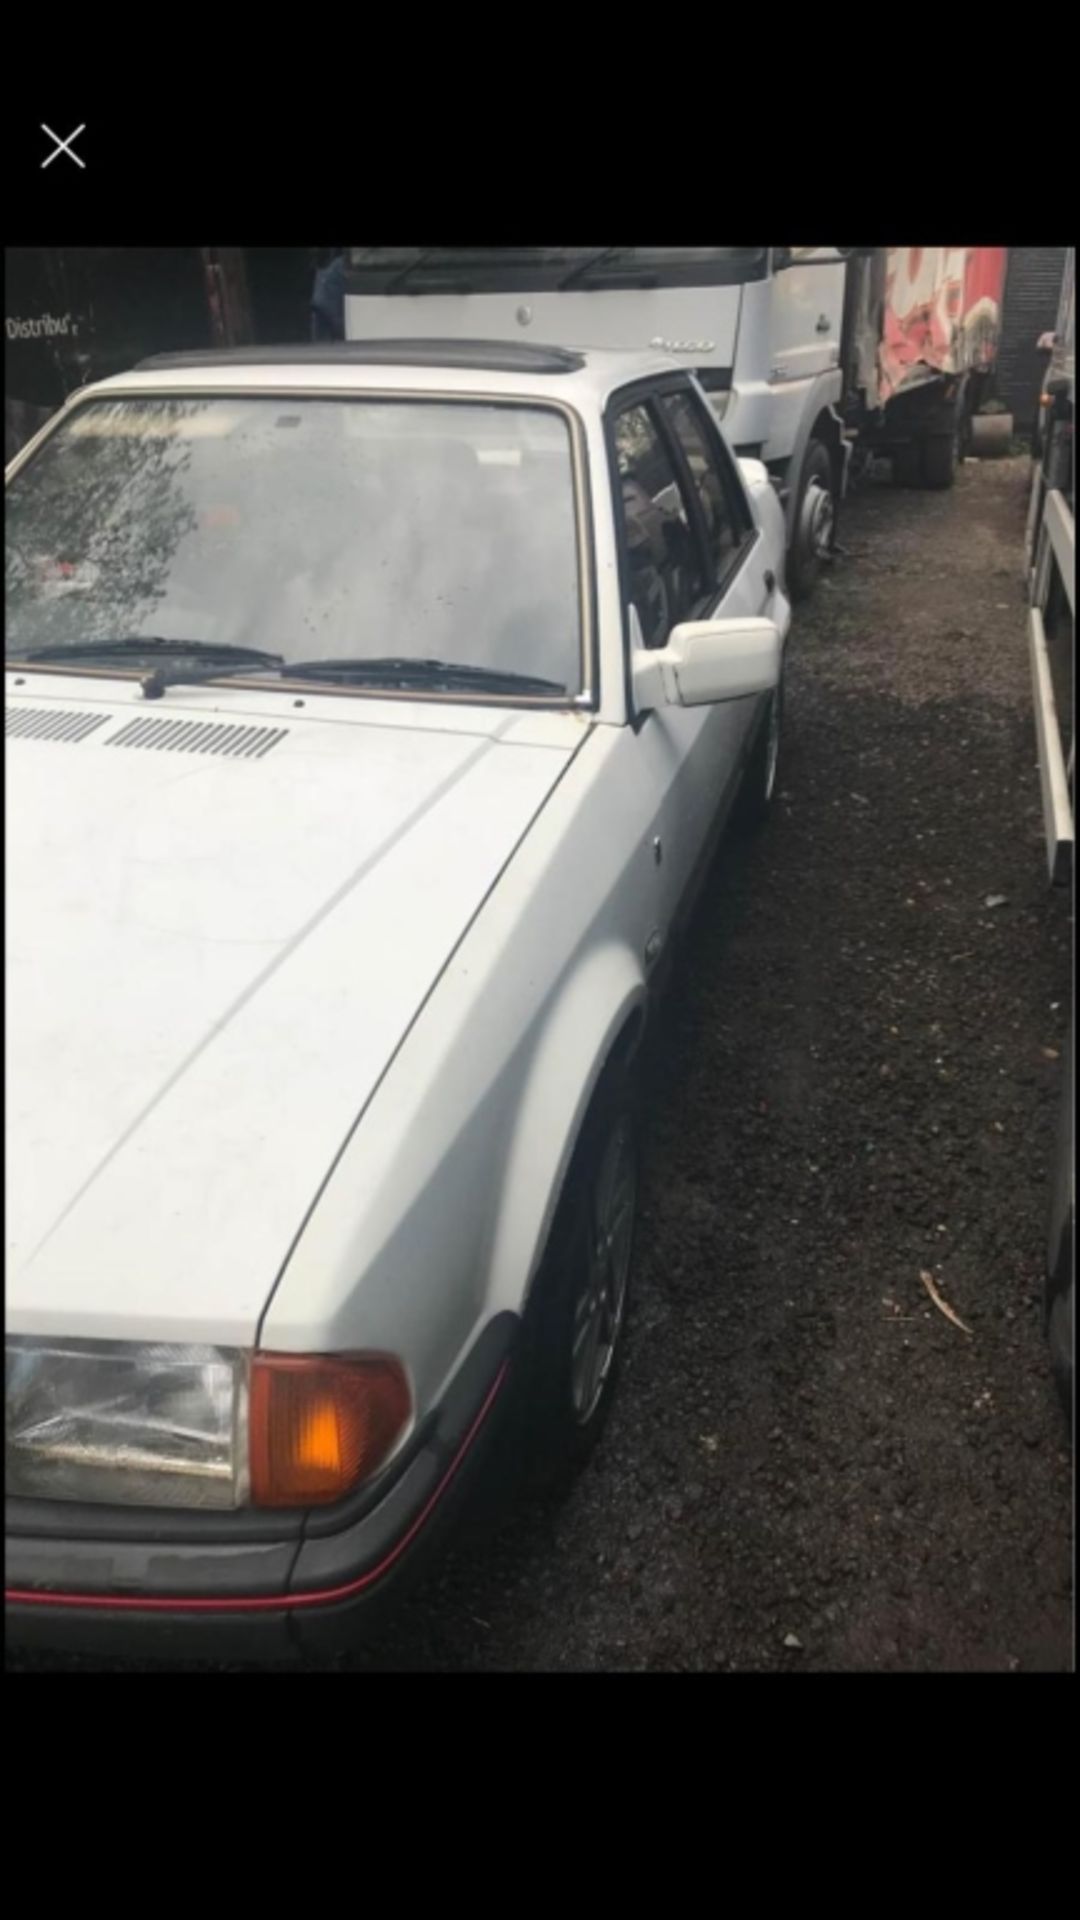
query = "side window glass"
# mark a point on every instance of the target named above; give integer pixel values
(722, 509)
(667, 574)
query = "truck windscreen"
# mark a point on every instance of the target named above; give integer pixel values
(384, 270)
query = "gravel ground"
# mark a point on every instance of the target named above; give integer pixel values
(854, 1080)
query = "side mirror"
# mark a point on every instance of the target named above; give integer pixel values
(707, 661)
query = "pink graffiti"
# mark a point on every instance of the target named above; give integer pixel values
(942, 311)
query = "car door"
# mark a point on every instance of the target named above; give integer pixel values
(691, 550)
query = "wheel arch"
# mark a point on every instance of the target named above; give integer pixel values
(820, 421)
(597, 1021)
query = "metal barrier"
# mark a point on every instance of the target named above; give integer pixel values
(1053, 540)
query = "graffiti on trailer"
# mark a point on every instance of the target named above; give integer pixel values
(942, 312)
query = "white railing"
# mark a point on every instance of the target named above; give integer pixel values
(1054, 551)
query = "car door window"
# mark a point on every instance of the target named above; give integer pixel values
(667, 568)
(723, 507)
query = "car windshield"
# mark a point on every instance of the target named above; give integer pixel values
(445, 270)
(308, 528)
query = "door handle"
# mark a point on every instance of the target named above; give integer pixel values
(770, 580)
(824, 323)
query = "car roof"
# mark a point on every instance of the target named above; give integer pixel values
(492, 356)
(510, 368)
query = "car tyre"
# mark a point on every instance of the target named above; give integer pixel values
(755, 797)
(576, 1316)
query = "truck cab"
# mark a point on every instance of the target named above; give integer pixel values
(760, 326)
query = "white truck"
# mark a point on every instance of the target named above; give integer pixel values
(808, 354)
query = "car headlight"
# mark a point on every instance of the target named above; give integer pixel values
(196, 1426)
(149, 1426)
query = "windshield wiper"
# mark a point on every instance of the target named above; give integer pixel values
(405, 672)
(154, 645)
(628, 274)
(388, 671)
(228, 660)
(400, 279)
(585, 267)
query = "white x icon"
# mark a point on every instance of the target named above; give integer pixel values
(64, 146)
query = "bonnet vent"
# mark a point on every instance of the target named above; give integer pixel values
(198, 736)
(46, 723)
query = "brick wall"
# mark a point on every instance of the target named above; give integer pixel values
(1032, 288)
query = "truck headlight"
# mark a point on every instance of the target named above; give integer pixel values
(207, 1427)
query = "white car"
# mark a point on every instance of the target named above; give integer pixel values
(371, 713)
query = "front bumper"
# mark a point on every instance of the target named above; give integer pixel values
(257, 1586)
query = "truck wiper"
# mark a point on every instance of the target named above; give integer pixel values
(404, 274)
(399, 278)
(585, 267)
(629, 275)
(405, 672)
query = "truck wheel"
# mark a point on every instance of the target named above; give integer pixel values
(576, 1315)
(815, 522)
(938, 460)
